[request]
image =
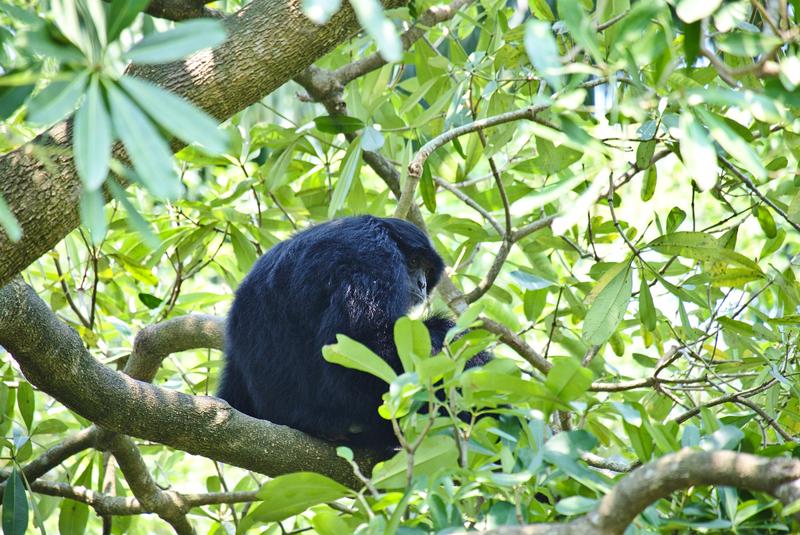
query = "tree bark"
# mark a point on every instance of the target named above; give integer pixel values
(53, 358)
(269, 42)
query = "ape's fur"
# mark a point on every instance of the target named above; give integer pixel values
(351, 276)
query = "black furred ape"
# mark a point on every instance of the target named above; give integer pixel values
(354, 276)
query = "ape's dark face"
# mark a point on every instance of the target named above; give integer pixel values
(417, 280)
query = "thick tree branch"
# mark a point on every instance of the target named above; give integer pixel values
(268, 43)
(681, 470)
(53, 357)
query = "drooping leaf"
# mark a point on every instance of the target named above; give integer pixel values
(567, 380)
(184, 39)
(91, 139)
(611, 297)
(697, 152)
(543, 52)
(58, 99)
(150, 153)
(121, 14)
(176, 115)
(92, 204)
(347, 173)
(15, 505)
(291, 494)
(647, 310)
(372, 18)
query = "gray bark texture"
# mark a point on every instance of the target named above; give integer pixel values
(53, 358)
(269, 42)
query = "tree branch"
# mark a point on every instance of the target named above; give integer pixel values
(681, 470)
(53, 357)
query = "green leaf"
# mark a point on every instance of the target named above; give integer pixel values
(91, 139)
(372, 18)
(92, 210)
(412, 340)
(647, 309)
(697, 152)
(426, 188)
(184, 39)
(543, 52)
(347, 173)
(649, 183)
(435, 454)
(8, 222)
(244, 250)
(371, 139)
(692, 10)
(328, 522)
(26, 401)
(15, 505)
(275, 170)
(291, 494)
(699, 246)
(12, 96)
(338, 124)
(178, 116)
(612, 294)
(72, 518)
(580, 26)
(121, 14)
(351, 354)
(738, 148)
(49, 427)
(691, 41)
(56, 100)
(150, 301)
(540, 9)
(747, 44)
(134, 219)
(766, 221)
(575, 505)
(567, 380)
(644, 153)
(675, 217)
(152, 158)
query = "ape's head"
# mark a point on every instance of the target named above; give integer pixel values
(423, 264)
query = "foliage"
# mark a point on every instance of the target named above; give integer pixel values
(630, 222)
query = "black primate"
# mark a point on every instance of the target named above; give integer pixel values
(355, 276)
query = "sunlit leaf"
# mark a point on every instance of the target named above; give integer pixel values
(611, 297)
(91, 139)
(352, 354)
(543, 52)
(150, 153)
(177, 43)
(372, 18)
(697, 152)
